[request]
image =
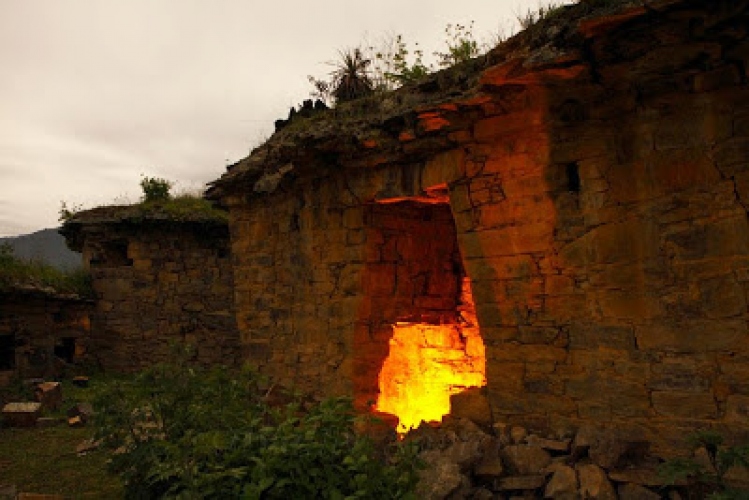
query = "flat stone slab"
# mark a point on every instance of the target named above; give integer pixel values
(21, 414)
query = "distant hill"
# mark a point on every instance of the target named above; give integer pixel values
(46, 245)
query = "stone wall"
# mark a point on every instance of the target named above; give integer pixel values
(157, 282)
(41, 332)
(599, 193)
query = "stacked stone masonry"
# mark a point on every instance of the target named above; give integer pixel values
(599, 201)
(41, 332)
(158, 283)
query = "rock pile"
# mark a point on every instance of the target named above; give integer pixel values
(466, 461)
(475, 458)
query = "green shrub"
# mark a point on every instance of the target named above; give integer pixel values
(461, 45)
(155, 189)
(179, 431)
(704, 480)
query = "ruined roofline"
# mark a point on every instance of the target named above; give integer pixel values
(142, 212)
(160, 214)
(180, 210)
(404, 125)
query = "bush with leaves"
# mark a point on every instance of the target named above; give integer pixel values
(155, 189)
(179, 431)
(707, 480)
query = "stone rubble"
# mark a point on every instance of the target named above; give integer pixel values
(501, 462)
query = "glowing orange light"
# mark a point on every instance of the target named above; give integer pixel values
(426, 365)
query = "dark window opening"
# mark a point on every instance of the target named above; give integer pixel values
(65, 349)
(112, 254)
(7, 352)
(573, 178)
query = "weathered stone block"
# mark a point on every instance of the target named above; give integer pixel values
(525, 460)
(681, 377)
(497, 268)
(49, 394)
(594, 483)
(630, 491)
(629, 241)
(722, 297)
(473, 405)
(585, 336)
(521, 482)
(690, 405)
(695, 336)
(563, 484)
(737, 408)
(21, 414)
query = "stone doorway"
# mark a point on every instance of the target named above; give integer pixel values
(423, 342)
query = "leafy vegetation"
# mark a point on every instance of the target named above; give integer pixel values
(155, 189)
(15, 271)
(707, 478)
(360, 72)
(178, 431)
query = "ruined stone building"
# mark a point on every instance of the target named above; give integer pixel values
(39, 329)
(159, 278)
(562, 221)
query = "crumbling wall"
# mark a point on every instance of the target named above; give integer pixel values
(599, 191)
(156, 283)
(41, 332)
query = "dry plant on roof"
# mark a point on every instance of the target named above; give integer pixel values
(351, 79)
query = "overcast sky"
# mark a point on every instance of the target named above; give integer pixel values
(95, 93)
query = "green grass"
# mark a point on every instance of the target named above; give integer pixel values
(44, 460)
(185, 206)
(15, 271)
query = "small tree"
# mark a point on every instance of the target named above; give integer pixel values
(155, 189)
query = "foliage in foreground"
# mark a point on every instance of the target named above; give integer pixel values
(708, 478)
(15, 271)
(183, 432)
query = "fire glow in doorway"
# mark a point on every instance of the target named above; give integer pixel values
(429, 363)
